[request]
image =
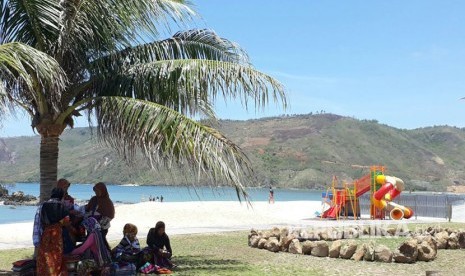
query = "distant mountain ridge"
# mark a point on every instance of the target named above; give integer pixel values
(301, 151)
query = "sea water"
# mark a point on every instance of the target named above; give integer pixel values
(134, 194)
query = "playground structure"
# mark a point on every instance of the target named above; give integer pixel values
(343, 200)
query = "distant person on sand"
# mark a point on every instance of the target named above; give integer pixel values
(271, 197)
(157, 199)
(101, 208)
(161, 198)
(150, 198)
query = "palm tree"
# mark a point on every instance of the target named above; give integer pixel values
(144, 93)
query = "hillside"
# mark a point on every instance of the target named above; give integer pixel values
(295, 151)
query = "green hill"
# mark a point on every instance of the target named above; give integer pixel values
(302, 151)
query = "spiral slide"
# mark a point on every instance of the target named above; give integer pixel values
(390, 189)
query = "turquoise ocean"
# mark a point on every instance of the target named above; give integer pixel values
(135, 194)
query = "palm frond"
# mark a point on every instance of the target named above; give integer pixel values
(192, 44)
(102, 26)
(27, 73)
(165, 136)
(185, 84)
(32, 22)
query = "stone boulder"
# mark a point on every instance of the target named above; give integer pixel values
(321, 249)
(295, 247)
(348, 250)
(441, 239)
(359, 253)
(284, 232)
(261, 243)
(307, 247)
(391, 231)
(253, 241)
(407, 252)
(351, 233)
(335, 234)
(284, 242)
(383, 254)
(461, 236)
(426, 252)
(453, 241)
(272, 244)
(335, 248)
(275, 232)
(324, 236)
(313, 236)
(369, 252)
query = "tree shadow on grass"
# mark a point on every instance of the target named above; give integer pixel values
(208, 263)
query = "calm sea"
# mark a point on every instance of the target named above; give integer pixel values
(134, 194)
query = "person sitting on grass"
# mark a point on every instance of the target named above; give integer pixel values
(159, 242)
(128, 250)
(95, 247)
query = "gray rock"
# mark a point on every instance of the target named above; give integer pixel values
(321, 249)
(261, 243)
(453, 241)
(391, 231)
(335, 249)
(359, 253)
(307, 247)
(441, 239)
(407, 252)
(324, 236)
(348, 250)
(275, 232)
(284, 242)
(369, 252)
(295, 247)
(272, 244)
(461, 236)
(383, 254)
(426, 252)
(284, 232)
(253, 242)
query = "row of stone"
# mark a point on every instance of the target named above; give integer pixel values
(423, 247)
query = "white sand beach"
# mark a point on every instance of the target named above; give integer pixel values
(204, 217)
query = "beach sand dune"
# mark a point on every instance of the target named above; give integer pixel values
(200, 217)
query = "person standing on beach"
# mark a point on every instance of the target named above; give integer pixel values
(271, 197)
(101, 207)
(51, 217)
(161, 198)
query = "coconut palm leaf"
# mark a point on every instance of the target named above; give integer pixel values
(33, 22)
(192, 44)
(185, 84)
(165, 136)
(30, 76)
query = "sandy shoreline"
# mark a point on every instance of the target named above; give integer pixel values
(204, 217)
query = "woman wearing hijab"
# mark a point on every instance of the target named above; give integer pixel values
(101, 207)
(73, 232)
(50, 219)
(159, 243)
(68, 200)
(95, 244)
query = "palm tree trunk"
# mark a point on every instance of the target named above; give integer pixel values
(50, 137)
(48, 165)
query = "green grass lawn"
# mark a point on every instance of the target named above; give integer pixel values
(228, 254)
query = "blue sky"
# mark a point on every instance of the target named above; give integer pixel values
(399, 62)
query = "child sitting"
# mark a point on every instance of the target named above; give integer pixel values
(128, 250)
